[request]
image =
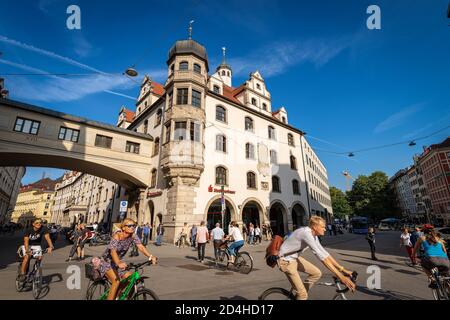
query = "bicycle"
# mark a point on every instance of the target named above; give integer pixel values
(442, 289)
(243, 261)
(135, 290)
(34, 276)
(100, 239)
(283, 294)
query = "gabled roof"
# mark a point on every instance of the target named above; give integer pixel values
(129, 115)
(231, 93)
(158, 89)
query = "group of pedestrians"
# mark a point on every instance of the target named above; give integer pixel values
(253, 234)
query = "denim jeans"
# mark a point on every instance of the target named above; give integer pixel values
(158, 239)
(235, 246)
(201, 251)
(250, 239)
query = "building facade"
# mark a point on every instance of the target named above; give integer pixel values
(404, 193)
(33, 203)
(10, 178)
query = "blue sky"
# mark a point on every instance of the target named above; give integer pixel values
(348, 87)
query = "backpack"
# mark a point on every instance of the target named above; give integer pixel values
(273, 251)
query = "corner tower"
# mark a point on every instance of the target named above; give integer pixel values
(224, 69)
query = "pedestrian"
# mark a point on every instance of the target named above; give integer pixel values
(217, 236)
(371, 239)
(251, 233)
(269, 232)
(244, 231)
(416, 235)
(202, 238)
(159, 234)
(183, 236)
(145, 234)
(75, 237)
(330, 229)
(405, 241)
(257, 234)
(193, 235)
(333, 227)
(95, 226)
(150, 227)
(137, 234)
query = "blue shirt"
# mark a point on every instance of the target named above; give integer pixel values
(433, 250)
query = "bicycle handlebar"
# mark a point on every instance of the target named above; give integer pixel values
(353, 277)
(139, 265)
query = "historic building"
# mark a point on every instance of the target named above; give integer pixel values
(404, 194)
(10, 178)
(32, 203)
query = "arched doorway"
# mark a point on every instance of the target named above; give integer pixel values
(151, 208)
(251, 213)
(298, 216)
(214, 215)
(277, 219)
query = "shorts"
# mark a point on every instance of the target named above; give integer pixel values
(441, 263)
(36, 251)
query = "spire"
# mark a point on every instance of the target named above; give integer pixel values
(190, 29)
(224, 52)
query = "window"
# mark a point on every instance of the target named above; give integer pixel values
(295, 187)
(27, 126)
(216, 89)
(293, 163)
(68, 134)
(172, 68)
(249, 151)
(146, 126)
(221, 143)
(45, 213)
(251, 180)
(223, 73)
(170, 99)
(258, 86)
(153, 181)
(197, 68)
(248, 124)
(254, 101)
(184, 65)
(195, 131)
(132, 147)
(196, 98)
(264, 106)
(168, 132)
(103, 141)
(290, 139)
(158, 117)
(221, 114)
(273, 157)
(47, 205)
(271, 131)
(180, 131)
(221, 176)
(229, 74)
(156, 147)
(182, 96)
(276, 184)
(283, 119)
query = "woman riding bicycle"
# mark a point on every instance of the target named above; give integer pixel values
(434, 253)
(112, 266)
(235, 234)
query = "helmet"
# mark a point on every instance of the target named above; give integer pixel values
(427, 227)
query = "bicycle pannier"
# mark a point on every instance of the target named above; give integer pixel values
(273, 251)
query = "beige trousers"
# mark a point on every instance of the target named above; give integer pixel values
(291, 269)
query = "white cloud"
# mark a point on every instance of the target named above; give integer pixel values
(398, 118)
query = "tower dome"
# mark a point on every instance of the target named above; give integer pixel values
(188, 47)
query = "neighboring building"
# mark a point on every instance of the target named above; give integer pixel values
(435, 165)
(404, 194)
(10, 178)
(3, 92)
(32, 203)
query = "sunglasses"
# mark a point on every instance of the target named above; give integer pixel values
(130, 225)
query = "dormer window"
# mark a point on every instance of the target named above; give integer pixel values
(283, 119)
(197, 68)
(264, 106)
(258, 86)
(216, 89)
(184, 65)
(254, 101)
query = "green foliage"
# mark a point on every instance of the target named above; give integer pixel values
(341, 207)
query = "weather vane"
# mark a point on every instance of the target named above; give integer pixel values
(190, 29)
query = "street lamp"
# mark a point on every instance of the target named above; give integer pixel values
(412, 144)
(131, 72)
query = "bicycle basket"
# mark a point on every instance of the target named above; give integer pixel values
(91, 273)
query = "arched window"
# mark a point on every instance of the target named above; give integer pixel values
(276, 184)
(184, 65)
(221, 114)
(172, 68)
(264, 106)
(273, 157)
(156, 147)
(221, 143)
(221, 176)
(293, 163)
(197, 68)
(229, 73)
(223, 73)
(283, 119)
(216, 89)
(251, 180)
(153, 182)
(158, 117)
(254, 101)
(271, 132)
(291, 139)
(295, 187)
(249, 151)
(248, 124)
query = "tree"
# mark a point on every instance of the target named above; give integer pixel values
(341, 207)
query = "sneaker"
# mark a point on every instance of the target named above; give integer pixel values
(21, 277)
(68, 260)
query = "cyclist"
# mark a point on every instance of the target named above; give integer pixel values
(238, 241)
(112, 266)
(291, 262)
(434, 253)
(32, 242)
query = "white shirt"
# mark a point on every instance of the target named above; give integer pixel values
(299, 241)
(217, 233)
(257, 231)
(235, 233)
(406, 239)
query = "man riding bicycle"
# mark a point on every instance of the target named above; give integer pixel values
(32, 242)
(291, 262)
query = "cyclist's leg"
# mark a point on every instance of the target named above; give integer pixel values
(232, 252)
(313, 272)
(25, 261)
(114, 279)
(289, 268)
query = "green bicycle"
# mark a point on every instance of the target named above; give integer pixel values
(98, 288)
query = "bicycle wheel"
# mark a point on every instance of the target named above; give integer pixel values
(37, 283)
(276, 294)
(19, 284)
(145, 294)
(244, 262)
(96, 290)
(222, 258)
